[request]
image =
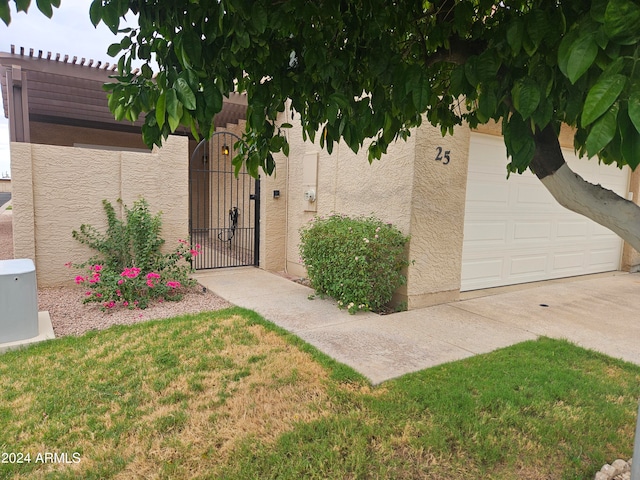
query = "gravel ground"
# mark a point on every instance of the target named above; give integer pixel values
(70, 316)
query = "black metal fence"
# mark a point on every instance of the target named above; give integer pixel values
(223, 207)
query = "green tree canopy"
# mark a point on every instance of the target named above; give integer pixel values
(373, 69)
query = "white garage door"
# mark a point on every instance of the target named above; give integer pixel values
(515, 232)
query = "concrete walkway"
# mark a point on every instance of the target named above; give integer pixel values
(600, 313)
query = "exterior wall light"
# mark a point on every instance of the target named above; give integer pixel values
(225, 150)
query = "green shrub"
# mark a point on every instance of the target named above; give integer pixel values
(129, 269)
(357, 261)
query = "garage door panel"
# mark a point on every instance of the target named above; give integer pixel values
(531, 195)
(494, 233)
(572, 261)
(567, 230)
(531, 231)
(486, 194)
(527, 265)
(515, 231)
(485, 269)
(600, 232)
(605, 258)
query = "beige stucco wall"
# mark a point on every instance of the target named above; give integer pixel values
(630, 256)
(346, 184)
(57, 189)
(5, 185)
(437, 216)
(420, 195)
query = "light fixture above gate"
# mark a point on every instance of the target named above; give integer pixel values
(225, 149)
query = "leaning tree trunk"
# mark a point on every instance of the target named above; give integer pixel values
(573, 192)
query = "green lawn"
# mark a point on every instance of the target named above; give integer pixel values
(227, 395)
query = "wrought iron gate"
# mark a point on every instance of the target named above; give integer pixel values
(223, 208)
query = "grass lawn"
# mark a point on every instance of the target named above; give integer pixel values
(227, 395)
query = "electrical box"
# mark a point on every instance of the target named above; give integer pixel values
(18, 300)
(310, 181)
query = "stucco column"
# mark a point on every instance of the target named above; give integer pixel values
(24, 242)
(437, 216)
(273, 217)
(630, 256)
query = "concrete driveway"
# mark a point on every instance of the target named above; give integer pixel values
(596, 312)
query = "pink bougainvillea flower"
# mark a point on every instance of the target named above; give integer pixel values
(120, 282)
(150, 283)
(87, 293)
(79, 279)
(152, 275)
(68, 264)
(99, 295)
(173, 284)
(119, 293)
(132, 272)
(125, 304)
(194, 252)
(97, 268)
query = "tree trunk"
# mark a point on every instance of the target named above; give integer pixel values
(573, 192)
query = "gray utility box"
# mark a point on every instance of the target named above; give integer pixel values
(18, 300)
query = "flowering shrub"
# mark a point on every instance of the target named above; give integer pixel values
(357, 261)
(130, 270)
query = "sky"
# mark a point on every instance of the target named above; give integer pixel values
(69, 32)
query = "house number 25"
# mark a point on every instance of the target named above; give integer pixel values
(440, 156)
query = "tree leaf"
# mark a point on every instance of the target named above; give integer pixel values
(161, 109)
(621, 20)
(5, 12)
(515, 33)
(45, 7)
(564, 50)
(602, 131)
(259, 17)
(597, 11)
(519, 142)
(110, 17)
(421, 94)
(95, 12)
(526, 97)
(634, 107)
(630, 145)
(22, 5)
(601, 96)
(184, 93)
(114, 49)
(172, 103)
(581, 56)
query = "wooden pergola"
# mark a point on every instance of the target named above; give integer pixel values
(66, 90)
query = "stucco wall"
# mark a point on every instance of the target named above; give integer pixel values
(437, 216)
(630, 256)
(413, 186)
(346, 184)
(57, 189)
